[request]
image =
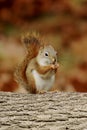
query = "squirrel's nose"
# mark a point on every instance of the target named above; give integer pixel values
(53, 60)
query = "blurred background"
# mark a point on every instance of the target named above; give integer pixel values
(63, 22)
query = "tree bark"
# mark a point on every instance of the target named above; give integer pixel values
(50, 111)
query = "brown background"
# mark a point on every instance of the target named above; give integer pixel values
(63, 22)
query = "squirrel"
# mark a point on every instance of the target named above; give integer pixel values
(36, 73)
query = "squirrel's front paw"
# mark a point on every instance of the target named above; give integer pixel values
(55, 66)
(41, 92)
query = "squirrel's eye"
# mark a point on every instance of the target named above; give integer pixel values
(46, 53)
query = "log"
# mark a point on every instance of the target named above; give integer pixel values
(50, 111)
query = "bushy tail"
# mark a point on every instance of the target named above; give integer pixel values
(32, 42)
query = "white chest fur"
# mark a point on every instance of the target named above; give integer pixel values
(41, 83)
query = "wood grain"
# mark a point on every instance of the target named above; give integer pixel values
(50, 111)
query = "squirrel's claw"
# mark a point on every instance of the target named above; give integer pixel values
(41, 92)
(56, 66)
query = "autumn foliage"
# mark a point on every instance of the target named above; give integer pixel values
(64, 22)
